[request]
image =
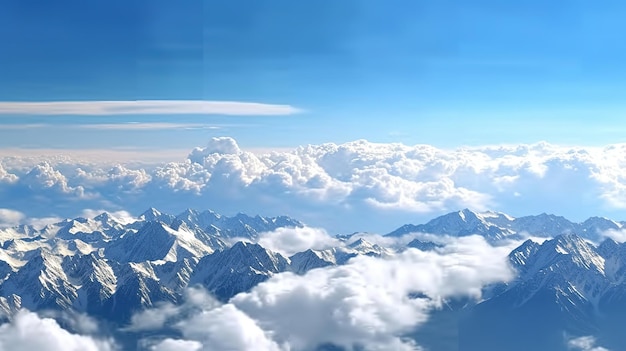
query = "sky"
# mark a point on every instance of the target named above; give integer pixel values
(445, 73)
(412, 108)
(349, 115)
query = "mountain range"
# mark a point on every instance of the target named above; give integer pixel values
(496, 226)
(574, 282)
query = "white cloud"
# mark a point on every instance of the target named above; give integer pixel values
(177, 345)
(366, 302)
(144, 126)
(18, 158)
(39, 223)
(226, 328)
(80, 322)
(347, 187)
(9, 218)
(121, 216)
(617, 235)
(154, 318)
(29, 332)
(139, 107)
(585, 343)
(289, 241)
(24, 126)
(45, 177)
(113, 126)
(6, 177)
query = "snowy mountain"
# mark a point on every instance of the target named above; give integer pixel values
(237, 269)
(496, 226)
(567, 284)
(111, 268)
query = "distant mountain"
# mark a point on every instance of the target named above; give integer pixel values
(302, 262)
(496, 226)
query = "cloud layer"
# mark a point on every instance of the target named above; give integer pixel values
(142, 107)
(28, 332)
(369, 302)
(353, 186)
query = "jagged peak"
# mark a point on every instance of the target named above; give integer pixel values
(104, 216)
(570, 239)
(189, 211)
(359, 242)
(467, 212)
(151, 214)
(247, 246)
(608, 247)
(179, 224)
(151, 225)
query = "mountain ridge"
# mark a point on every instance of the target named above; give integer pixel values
(113, 267)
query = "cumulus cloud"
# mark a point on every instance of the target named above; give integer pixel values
(44, 177)
(585, 343)
(226, 328)
(341, 187)
(140, 107)
(373, 303)
(27, 332)
(6, 177)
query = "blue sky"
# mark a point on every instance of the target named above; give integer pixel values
(447, 73)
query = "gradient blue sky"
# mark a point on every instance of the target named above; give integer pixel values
(446, 73)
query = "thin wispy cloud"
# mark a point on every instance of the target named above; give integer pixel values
(143, 107)
(145, 126)
(22, 126)
(114, 126)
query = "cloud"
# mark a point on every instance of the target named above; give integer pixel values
(80, 157)
(143, 126)
(617, 235)
(152, 319)
(29, 332)
(369, 302)
(585, 343)
(111, 126)
(394, 242)
(226, 328)
(195, 299)
(9, 218)
(141, 107)
(79, 322)
(121, 216)
(341, 187)
(6, 177)
(177, 345)
(24, 126)
(39, 223)
(289, 241)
